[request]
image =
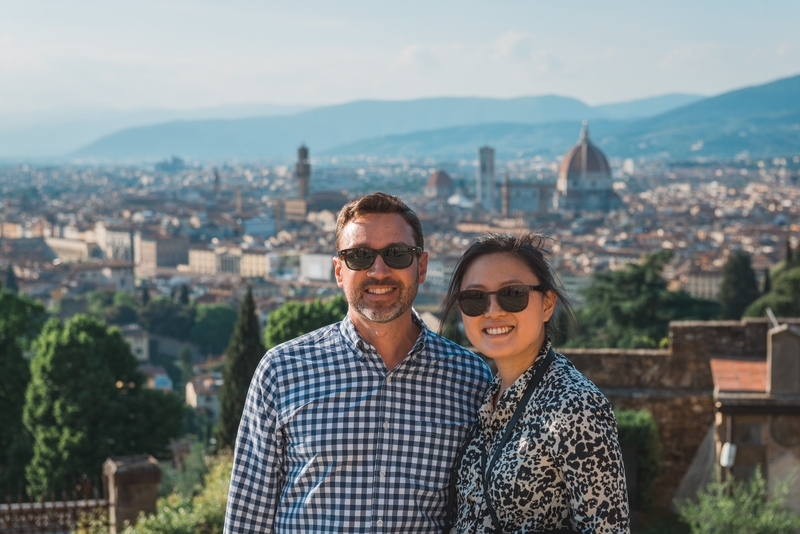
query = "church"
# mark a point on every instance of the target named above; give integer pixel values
(584, 179)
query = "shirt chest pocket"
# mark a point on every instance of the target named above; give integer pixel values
(425, 452)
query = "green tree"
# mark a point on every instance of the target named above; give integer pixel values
(183, 298)
(738, 507)
(241, 359)
(86, 402)
(144, 296)
(294, 319)
(739, 287)
(783, 298)
(185, 364)
(20, 321)
(124, 309)
(632, 307)
(11, 280)
(213, 327)
(767, 281)
(167, 318)
(788, 257)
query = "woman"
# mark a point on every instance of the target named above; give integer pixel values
(544, 455)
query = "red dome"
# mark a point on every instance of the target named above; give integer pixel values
(584, 157)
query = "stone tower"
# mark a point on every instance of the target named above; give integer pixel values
(485, 178)
(302, 172)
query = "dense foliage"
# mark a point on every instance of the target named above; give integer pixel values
(294, 319)
(168, 318)
(20, 321)
(783, 297)
(737, 507)
(202, 514)
(213, 326)
(241, 358)
(638, 429)
(739, 287)
(632, 307)
(85, 402)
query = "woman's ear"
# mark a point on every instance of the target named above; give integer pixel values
(549, 304)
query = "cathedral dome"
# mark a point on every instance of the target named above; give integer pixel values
(584, 157)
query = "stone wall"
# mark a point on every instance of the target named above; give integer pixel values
(675, 385)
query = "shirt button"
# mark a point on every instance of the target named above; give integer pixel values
(386, 426)
(383, 474)
(379, 523)
(388, 379)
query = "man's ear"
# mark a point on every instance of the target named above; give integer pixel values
(423, 266)
(337, 270)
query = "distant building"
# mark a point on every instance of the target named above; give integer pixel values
(702, 284)
(157, 377)
(302, 172)
(116, 276)
(439, 186)
(316, 267)
(139, 340)
(584, 179)
(160, 251)
(116, 242)
(72, 250)
(202, 394)
(485, 186)
(527, 197)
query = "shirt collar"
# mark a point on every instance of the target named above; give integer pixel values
(365, 349)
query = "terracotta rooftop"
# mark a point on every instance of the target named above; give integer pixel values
(736, 374)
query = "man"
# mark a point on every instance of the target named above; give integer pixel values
(355, 426)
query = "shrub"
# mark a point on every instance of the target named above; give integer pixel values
(740, 507)
(203, 514)
(638, 429)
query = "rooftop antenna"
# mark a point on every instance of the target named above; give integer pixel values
(772, 318)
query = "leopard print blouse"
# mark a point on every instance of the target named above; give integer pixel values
(561, 467)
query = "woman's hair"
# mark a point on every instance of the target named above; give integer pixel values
(530, 250)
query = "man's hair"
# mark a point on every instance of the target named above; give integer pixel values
(378, 202)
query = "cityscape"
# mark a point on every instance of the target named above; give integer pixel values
(150, 253)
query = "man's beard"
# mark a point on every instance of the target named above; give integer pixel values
(388, 312)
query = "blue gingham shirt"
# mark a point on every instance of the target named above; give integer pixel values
(331, 441)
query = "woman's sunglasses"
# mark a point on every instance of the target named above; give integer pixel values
(395, 257)
(474, 302)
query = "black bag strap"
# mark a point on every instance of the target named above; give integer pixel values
(523, 402)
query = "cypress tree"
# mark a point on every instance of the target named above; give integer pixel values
(767, 281)
(11, 280)
(789, 257)
(242, 356)
(184, 296)
(739, 287)
(145, 296)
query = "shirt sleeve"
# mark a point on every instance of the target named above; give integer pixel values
(258, 468)
(591, 461)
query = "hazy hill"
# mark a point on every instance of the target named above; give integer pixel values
(57, 132)
(759, 121)
(331, 126)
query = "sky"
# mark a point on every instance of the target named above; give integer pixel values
(180, 54)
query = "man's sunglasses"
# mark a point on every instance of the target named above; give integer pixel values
(396, 257)
(474, 302)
